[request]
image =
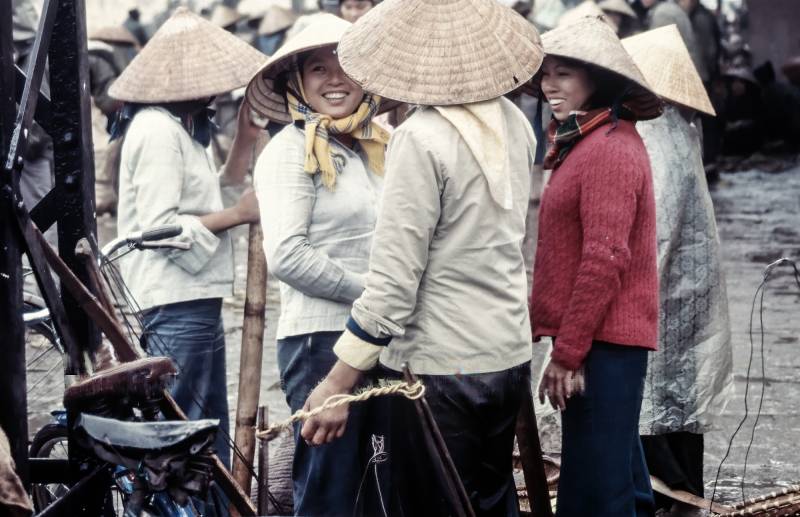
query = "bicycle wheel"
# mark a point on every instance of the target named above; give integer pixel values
(51, 441)
(44, 363)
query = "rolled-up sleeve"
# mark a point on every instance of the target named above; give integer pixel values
(410, 210)
(158, 175)
(286, 196)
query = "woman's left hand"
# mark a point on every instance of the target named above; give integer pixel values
(559, 384)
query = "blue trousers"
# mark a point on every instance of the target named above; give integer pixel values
(325, 478)
(603, 471)
(191, 334)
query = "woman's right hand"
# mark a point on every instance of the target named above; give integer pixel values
(247, 207)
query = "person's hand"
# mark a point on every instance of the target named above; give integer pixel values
(246, 130)
(330, 424)
(559, 384)
(247, 207)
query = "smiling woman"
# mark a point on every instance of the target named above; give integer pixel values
(595, 284)
(566, 85)
(326, 87)
(318, 182)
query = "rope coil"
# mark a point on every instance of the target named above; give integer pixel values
(410, 391)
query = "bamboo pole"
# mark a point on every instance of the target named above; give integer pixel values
(263, 463)
(250, 359)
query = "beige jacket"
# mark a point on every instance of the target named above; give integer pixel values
(168, 178)
(446, 276)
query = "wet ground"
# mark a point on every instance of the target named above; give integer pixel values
(759, 222)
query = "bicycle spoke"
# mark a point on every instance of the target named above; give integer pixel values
(39, 357)
(44, 377)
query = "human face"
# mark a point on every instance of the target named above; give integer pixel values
(328, 90)
(565, 86)
(352, 10)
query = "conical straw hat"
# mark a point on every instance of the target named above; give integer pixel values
(617, 6)
(114, 34)
(276, 19)
(188, 58)
(593, 41)
(664, 60)
(582, 10)
(441, 52)
(222, 15)
(326, 30)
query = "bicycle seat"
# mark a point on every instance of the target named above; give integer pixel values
(142, 376)
(146, 436)
(168, 455)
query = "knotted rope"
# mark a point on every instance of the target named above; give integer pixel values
(410, 391)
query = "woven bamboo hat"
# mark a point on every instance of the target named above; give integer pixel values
(580, 11)
(617, 6)
(223, 16)
(592, 41)
(188, 58)
(276, 19)
(325, 30)
(114, 34)
(441, 52)
(664, 60)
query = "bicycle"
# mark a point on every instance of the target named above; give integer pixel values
(127, 392)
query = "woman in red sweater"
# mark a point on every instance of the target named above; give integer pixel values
(595, 288)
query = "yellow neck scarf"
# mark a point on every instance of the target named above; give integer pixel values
(319, 127)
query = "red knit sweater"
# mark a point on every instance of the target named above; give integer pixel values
(595, 275)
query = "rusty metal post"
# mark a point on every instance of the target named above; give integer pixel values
(73, 152)
(13, 403)
(263, 462)
(250, 359)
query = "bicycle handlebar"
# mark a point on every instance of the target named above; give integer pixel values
(158, 233)
(138, 239)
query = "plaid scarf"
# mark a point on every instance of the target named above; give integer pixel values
(561, 138)
(319, 127)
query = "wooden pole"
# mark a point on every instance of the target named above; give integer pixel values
(441, 460)
(530, 452)
(250, 360)
(263, 463)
